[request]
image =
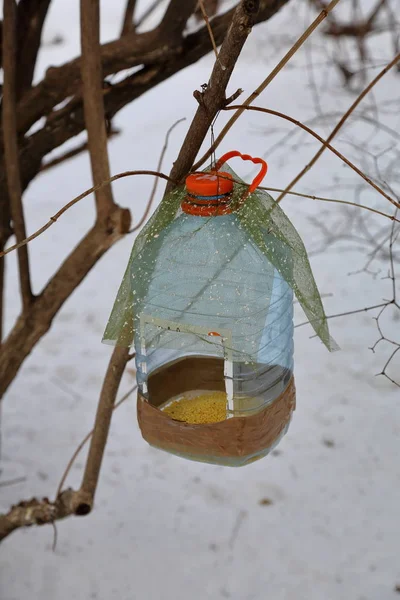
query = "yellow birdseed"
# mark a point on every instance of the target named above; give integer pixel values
(198, 407)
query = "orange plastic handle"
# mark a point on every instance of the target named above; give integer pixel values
(258, 161)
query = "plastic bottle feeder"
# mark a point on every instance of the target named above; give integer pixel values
(207, 301)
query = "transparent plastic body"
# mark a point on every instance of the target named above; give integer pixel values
(203, 288)
(206, 300)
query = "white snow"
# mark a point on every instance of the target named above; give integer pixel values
(164, 528)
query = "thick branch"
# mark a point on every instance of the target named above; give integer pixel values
(39, 512)
(98, 442)
(323, 14)
(129, 51)
(31, 15)
(79, 149)
(146, 14)
(2, 281)
(70, 502)
(31, 327)
(175, 19)
(127, 24)
(150, 48)
(214, 98)
(93, 104)
(61, 82)
(65, 125)
(11, 155)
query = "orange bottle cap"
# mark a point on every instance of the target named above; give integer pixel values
(209, 184)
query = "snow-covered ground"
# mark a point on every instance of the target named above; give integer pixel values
(317, 520)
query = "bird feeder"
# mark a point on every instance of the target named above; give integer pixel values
(207, 303)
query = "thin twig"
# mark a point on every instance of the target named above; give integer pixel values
(55, 536)
(323, 14)
(84, 441)
(375, 11)
(12, 481)
(389, 360)
(349, 312)
(157, 179)
(74, 201)
(322, 199)
(392, 277)
(325, 145)
(340, 124)
(391, 262)
(200, 3)
(11, 154)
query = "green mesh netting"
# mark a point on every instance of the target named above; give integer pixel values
(268, 227)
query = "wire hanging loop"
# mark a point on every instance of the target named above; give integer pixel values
(256, 181)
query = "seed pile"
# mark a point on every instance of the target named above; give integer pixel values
(198, 407)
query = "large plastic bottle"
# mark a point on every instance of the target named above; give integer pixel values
(214, 318)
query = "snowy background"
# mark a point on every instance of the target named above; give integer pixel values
(320, 518)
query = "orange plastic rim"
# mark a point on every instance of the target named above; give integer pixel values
(209, 192)
(209, 184)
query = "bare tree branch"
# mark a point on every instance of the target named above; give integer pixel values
(127, 24)
(72, 153)
(142, 220)
(39, 512)
(204, 14)
(325, 145)
(86, 439)
(348, 312)
(30, 327)
(175, 19)
(97, 141)
(153, 47)
(61, 82)
(340, 124)
(209, 6)
(213, 99)
(2, 281)
(28, 331)
(337, 201)
(65, 125)
(11, 156)
(68, 502)
(114, 373)
(31, 15)
(77, 199)
(323, 14)
(93, 105)
(149, 10)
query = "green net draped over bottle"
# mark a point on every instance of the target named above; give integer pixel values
(266, 226)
